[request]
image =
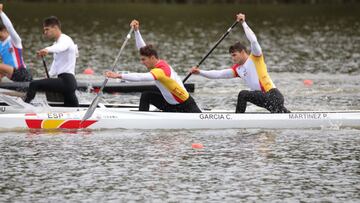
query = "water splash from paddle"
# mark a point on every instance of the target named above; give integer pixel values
(18, 104)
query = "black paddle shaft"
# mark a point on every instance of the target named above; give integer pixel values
(212, 49)
(51, 96)
(45, 67)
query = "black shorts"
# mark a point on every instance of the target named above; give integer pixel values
(21, 75)
(272, 100)
(65, 84)
(157, 99)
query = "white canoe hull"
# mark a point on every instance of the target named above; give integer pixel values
(105, 118)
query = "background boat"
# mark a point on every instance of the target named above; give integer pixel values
(111, 87)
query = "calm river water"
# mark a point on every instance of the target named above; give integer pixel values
(318, 43)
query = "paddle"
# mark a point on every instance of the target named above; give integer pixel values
(51, 96)
(95, 102)
(212, 49)
(45, 67)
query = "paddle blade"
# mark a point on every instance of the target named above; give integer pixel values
(95, 102)
(92, 107)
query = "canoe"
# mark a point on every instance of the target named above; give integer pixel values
(107, 118)
(110, 87)
(15, 114)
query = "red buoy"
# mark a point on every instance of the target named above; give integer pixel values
(308, 83)
(88, 71)
(197, 146)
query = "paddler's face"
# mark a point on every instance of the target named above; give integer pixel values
(239, 57)
(3, 34)
(147, 61)
(50, 32)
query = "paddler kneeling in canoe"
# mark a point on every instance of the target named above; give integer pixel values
(173, 96)
(63, 67)
(252, 68)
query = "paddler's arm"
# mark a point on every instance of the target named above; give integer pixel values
(61, 45)
(135, 77)
(213, 74)
(138, 39)
(10, 28)
(254, 44)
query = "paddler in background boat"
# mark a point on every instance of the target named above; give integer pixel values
(252, 68)
(62, 67)
(173, 96)
(11, 50)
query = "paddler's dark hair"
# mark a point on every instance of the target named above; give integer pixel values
(51, 21)
(237, 47)
(148, 51)
(2, 26)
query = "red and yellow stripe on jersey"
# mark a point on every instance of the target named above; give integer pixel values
(169, 83)
(254, 72)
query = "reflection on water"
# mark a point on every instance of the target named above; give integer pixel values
(234, 165)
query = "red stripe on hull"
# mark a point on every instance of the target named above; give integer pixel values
(69, 124)
(30, 114)
(34, 124)
(76, 124)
